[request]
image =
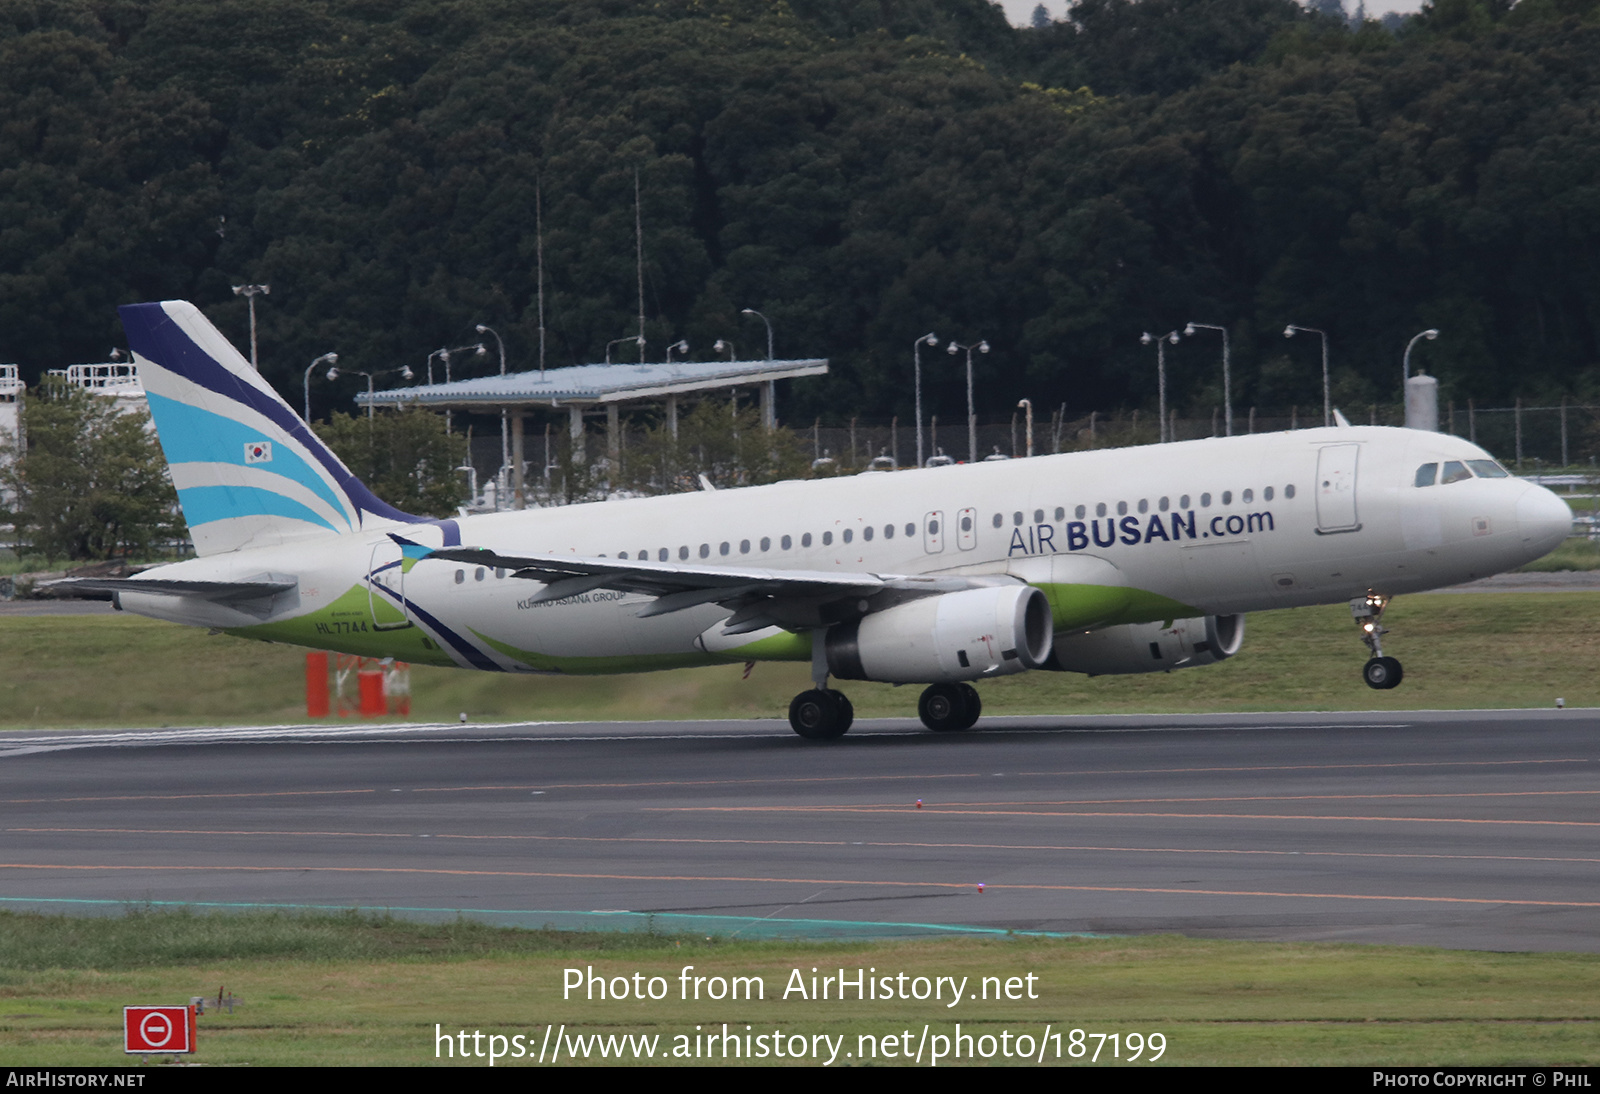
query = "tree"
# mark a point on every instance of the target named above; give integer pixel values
(1040, 18)
(88, 480)
(406, 457)
(730, 447)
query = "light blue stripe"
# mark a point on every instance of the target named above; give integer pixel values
(204, 504)
(748, 926)
(190, 434)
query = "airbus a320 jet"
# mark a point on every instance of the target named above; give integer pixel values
(1116, 561)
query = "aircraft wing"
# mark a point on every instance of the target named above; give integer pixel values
(759, 598)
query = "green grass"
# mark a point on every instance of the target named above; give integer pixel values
(352, 989)
(1460, 651)
(1576, 553)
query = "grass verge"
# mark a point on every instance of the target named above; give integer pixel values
(1466, 651)
(355, 989)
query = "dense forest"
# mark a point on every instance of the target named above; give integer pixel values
(859, 171)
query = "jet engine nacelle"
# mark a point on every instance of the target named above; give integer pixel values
(963, 635)
(1149, 647)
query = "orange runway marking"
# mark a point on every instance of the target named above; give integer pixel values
(807, 780)
(814, 843)
(925, 810)
(794, 881)
(186, 797)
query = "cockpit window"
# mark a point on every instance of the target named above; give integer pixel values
(1488, 469)
(1454, 471)
(1426, 474)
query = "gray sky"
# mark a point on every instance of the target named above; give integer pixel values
(1020, 11)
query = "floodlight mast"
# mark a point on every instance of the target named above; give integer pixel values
(1161, 376)
(1327, 392)
(1227, 374)
(929, 339)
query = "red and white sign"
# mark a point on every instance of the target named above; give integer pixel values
(158, 1029)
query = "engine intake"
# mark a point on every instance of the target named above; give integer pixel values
(965, 635)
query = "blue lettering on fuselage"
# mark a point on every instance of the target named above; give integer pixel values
(1039, 539)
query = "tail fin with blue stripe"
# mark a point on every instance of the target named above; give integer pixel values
(249, 472)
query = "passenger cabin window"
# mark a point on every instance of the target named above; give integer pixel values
(805, 540)
(866, 534)
(911, 530)
(1454, 471)
(1227, 497)
(1122, 508)
(1488, 469)
(1080, 512)
(744, 546)
(705, 550)
(1163, 504)
(1266, 495)
(1038, 516)
(1100, 510)
(766, 544)
(1183, 502)
(1144, 505)
(999, 520)
(1016, 518)
(827, 539)
(848, 535)
(1288, 491)
(786, 543)
(1249, 496)
(1205, 501)
(1061, 513)
(1427, 473)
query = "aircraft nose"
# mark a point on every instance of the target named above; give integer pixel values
(1543, 519)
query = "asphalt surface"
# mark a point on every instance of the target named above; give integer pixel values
(1470, 830)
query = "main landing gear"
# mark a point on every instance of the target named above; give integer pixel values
(1380, 672)
(947, 707)
(821, 714)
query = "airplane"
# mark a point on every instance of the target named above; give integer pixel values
(1114, 561)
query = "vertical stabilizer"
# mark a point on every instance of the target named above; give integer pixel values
(249, 472)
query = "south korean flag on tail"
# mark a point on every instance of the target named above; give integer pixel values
(258, 452)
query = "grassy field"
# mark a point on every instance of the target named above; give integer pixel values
(355, 990)
(1459, 651)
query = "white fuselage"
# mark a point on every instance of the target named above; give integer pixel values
(1220, 526)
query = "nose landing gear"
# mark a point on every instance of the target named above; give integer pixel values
(1381, 673)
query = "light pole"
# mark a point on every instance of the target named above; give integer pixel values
(1227, 373)
(1405, 374)
(325, 359)
(768, 322)
(972, 418)
(1327, 397)
(1161, 374)
(405, 374)
(250, 292)
(505, 419)
(770, 411)
(681, 345)
(1027, 404)
(724, 344)
(639, 338)
(929, 339)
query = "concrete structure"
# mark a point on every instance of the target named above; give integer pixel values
(584, 389)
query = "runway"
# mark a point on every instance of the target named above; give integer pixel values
(1459, 829)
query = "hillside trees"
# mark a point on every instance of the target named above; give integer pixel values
(861, 173)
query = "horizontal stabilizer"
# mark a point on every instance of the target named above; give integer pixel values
(221, 592)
